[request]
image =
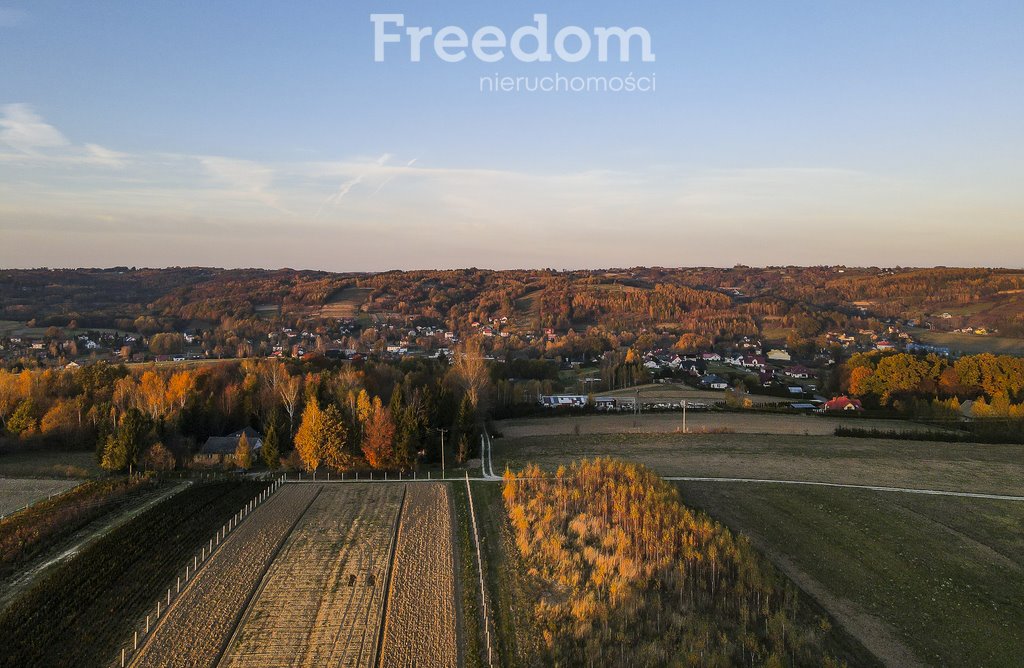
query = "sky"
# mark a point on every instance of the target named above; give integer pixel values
(263, 133)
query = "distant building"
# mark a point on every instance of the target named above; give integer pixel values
(713, 382)
(843, 404)
(799, 372)
(557, 400)
(221, 449)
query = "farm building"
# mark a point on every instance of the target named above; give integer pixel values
(221, 449)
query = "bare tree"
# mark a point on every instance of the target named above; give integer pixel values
(291, 391)
(470, 370)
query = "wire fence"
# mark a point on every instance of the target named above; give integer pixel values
(139, 636)
(45, 494)
(480, 573)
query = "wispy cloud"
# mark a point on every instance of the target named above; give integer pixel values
(347, 185)
(248, 179)
(393, 210)
(25, 131)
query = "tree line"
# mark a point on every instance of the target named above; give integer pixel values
(378, 415)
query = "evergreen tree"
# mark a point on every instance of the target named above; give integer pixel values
(270, 452)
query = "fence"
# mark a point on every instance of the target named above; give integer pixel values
(163, 605)
(49, 496)
(480, 572)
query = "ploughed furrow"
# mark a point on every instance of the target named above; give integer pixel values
(420, 627)
(321, 602)
(199, 624)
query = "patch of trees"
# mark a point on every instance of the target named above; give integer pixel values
(996, 382)
(633, 577)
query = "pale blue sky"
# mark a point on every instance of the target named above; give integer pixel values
(262, 133)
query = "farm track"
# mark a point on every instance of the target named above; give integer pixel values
(421, 624)
(197, 627)
(321, 601)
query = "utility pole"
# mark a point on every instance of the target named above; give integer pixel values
(443, 431)
(683, 402)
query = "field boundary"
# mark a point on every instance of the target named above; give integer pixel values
(875, 488)
(386, 603)
(480, 573)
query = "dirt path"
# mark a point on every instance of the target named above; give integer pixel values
(875, 488)
(878, 637)
(57, 554)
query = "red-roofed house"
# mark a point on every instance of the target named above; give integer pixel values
(843, 404)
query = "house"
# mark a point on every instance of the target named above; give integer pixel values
(885, 346)
(711, 357)
(779, 355)
(799, 372)
(843, 404)
(754, 362)
(713, 382)
(221, 449)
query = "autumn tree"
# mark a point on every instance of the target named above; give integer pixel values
(243, 453)
(321, 438)
(379, 437)
(9, 395)
(159, 458)
(166, 343)
(153, 394)
(63, 419)
(180, 388)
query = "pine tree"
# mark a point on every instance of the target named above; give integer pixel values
(271, 452)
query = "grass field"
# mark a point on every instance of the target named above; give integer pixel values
(677, 392)
(345, 303)
(740, 423)
(938, 580)
(15, 493)
(47, 464)
(970, 343)
(16, 328)
(517, 641)
(996, 469)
